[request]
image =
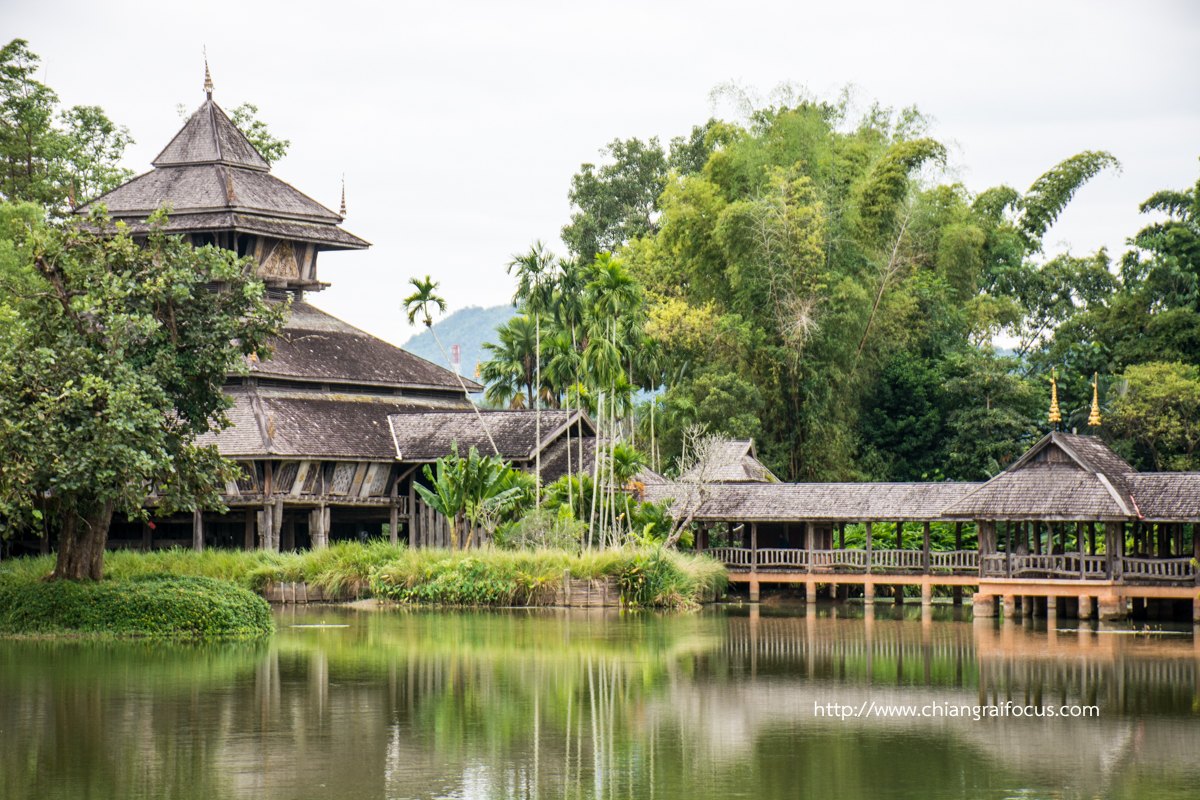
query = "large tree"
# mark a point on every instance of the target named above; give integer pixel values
(55, 158)
(112, 357)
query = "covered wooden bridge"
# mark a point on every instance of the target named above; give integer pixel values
(1068, 527)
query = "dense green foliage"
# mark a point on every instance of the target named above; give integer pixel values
(53, 157)
(812, 280)
(152, 605)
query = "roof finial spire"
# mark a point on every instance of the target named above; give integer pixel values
(1055, 417)
(343, 211)
(1094, 417)
(208, 84)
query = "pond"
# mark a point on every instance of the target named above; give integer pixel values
(733, 701)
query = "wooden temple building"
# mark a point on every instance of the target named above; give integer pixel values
(316, 429)
(1069, 526)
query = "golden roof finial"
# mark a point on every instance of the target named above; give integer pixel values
(208, 84)
(1094, 417)
(1055, 417)
(343, 211)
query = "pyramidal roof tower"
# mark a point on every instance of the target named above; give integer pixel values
(219, 190)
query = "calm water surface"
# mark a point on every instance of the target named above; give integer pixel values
(551, 704)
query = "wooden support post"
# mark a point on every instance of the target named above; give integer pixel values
(248, 530)
(1091, 528)
(925, 549)
(276, 523)
(957, 591)
(197, 531)
(841, 536)
(754, 547)
(899, 535)
(147, 538)
(868, 594)
(926, 593)
(870, 535)
(414, 539)
(809, 535)
(898, 594)
(394, 522)
(810, 592)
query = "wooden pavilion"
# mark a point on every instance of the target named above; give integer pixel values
(1069, 519)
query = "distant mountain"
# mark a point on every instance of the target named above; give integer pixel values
(469, 328)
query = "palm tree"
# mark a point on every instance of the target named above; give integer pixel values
(419, 302)
(513, 364)
(535, 289)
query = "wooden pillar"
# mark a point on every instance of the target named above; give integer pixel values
(276, 523)
(754, 547)
(809, 536)
(870, 535)
(925, 549)
(1114, 548)
(842, 535)
(394, 522)
(414, 537)
(957, 590)
(197, 531)
(147, 538)
(248, 531)
(1091, 528)
(1164, 540)
(899, 535)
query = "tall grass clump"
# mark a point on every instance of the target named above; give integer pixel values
(648, 577)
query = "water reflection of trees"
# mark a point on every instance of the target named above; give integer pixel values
(578, 704)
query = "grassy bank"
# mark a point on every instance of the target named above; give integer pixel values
(479, 577)
(159, 605)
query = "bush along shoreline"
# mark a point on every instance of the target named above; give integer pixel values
(650, 577)
(183, 606)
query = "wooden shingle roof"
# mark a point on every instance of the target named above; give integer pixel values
(210, 178)
(426, 437)
(1167, 496)
(290, 425)
(740, 464)
(210, 137)
(316, 346)
(847, 502)
(1062, 477)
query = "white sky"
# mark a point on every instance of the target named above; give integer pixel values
(458, 125)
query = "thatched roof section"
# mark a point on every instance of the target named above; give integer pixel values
(740, 464)
(425, 437)
(845, 502)
(211, 179)
(316, 346)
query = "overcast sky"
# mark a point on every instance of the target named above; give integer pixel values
(458, 125)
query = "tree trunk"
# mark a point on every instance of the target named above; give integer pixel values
(81, 546)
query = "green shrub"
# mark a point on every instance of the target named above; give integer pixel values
(148, 605)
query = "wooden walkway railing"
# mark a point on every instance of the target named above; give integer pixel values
(882, 561)
(994, 565)
(1085, 567)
